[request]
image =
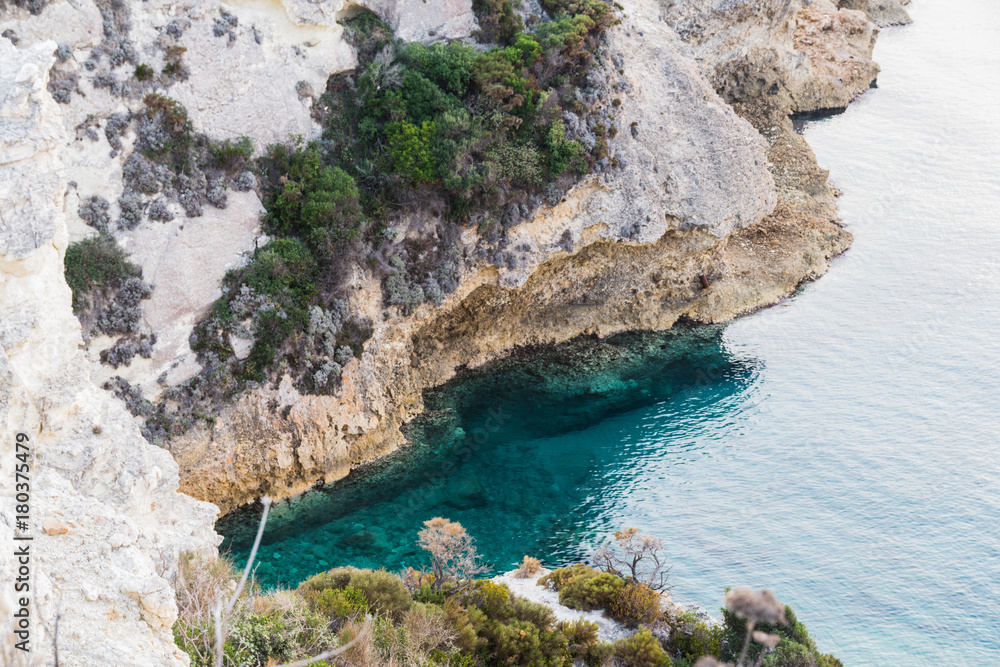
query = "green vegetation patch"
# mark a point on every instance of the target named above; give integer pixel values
(107, 287)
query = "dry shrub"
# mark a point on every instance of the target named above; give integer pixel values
(529, 567)
(386, 646)
(454, 558)
(428, 627)
(201, 581)
(635, 604)
(636, 557)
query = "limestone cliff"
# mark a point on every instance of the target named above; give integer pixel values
(703, 192)
(717, 208)
(106, 517)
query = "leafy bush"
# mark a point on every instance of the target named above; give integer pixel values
(337, 605)
(691, 638)
(337, 578)
(232, 155)
(498, 20)
(580, 635)
(384, 591)
(558, 578)
(380, 591)
(317, 203)
(641, 650)
(591, 590)
(583, 587)
(795, 649)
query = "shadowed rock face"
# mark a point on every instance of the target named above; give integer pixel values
(106, 517)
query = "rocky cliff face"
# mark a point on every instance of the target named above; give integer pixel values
(705, 191)
(106, 517)
(717, 208)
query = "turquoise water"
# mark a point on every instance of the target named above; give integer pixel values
(840, 448)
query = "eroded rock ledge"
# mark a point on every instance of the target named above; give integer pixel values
(715, 187)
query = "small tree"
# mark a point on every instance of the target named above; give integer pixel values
(453, 555)
(636, 557)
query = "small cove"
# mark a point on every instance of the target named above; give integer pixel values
(840, 448)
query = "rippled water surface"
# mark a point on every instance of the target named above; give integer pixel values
(841, 448)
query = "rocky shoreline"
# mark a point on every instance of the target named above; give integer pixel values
(743, 204)
(719, 209)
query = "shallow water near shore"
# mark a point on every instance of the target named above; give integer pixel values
(840, 448)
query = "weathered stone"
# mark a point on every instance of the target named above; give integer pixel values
(89, 460)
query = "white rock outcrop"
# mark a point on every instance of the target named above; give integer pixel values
(106, 517)
(688, 161)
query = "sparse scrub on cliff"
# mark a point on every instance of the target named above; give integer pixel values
(379, 619)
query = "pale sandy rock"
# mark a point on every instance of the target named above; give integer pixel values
(185, 259)
(247, 86)
(417, 20)
(608, 630)
(76, 23)
(121, 522)
(690, 163)
(53, 526)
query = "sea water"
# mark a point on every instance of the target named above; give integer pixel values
(840, 448)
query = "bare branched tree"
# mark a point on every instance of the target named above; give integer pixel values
(454, 558)
(635, 557)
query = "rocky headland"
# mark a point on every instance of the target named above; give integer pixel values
(715, 207)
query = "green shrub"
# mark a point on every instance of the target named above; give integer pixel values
(599, 655)
(498, 20)
(795, 649)
(96, 264)
(561, 576)
(232, 155)
(691, 638)
(337, 604)
(563, 153)
(590, 590)
(581, 636)
(338, 577)
(641, 650)
(411, 148)
(384, 591)
(449, 66)
(427, 594)
(107, 288)
(310, 200)
(143, 72)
